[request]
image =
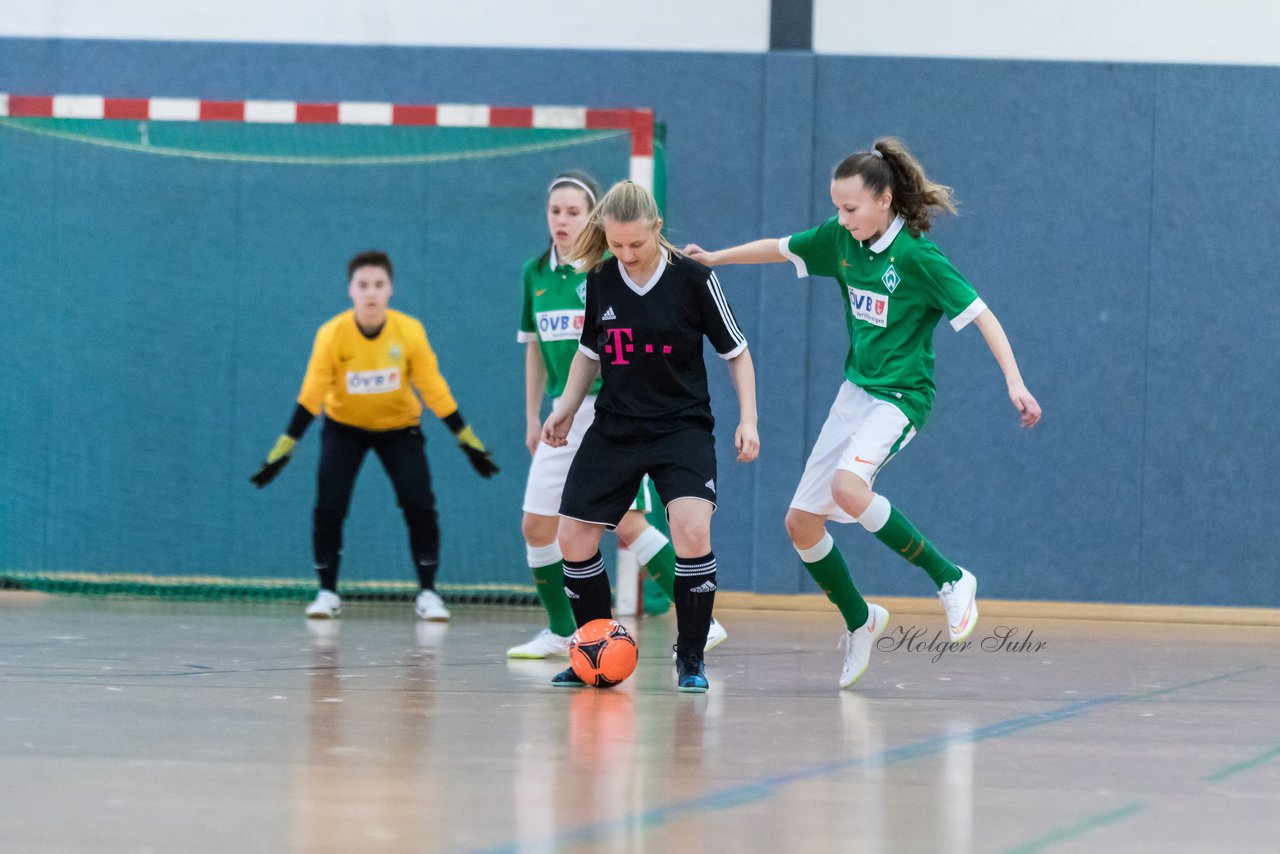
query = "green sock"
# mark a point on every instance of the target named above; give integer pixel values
(662, 569)
(548, 583)
(655, 601)
(832, 575)
(900, 535)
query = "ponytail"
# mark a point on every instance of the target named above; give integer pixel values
(890, 166)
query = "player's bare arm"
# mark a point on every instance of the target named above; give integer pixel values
(1023, 401)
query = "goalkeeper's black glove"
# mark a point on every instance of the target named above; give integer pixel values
(277, 457)
(480, 458)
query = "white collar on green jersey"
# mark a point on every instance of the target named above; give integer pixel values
(890, 233)
(555, 260)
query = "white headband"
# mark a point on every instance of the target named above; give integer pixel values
(565, 179)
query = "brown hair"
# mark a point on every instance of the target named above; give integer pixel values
(370, 259)
(889, 166)
(626, 201)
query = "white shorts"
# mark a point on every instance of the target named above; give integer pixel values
(550, 467)
(860, 435)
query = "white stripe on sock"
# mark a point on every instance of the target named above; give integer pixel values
(817, 552)
(648, 544)
(540, 556)
(876, 514)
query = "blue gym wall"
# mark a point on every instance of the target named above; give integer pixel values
(1118, 218)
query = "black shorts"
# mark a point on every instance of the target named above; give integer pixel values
(606, 473)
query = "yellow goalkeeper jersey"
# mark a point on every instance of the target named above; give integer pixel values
(369, 382)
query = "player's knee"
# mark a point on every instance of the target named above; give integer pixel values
(539, 531)
(691, 535)
(803, 529)
(852, 494)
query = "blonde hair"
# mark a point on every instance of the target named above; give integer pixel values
(626, 201)
(890, 166)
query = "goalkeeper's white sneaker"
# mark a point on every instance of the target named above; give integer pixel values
(327, 606)
(857, 645)
(545, 644)
(429, 606)
(960, 599)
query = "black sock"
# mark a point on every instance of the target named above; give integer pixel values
(695, 596)
(587, 586)
(426, 569)
(424, 545)
(326, 547)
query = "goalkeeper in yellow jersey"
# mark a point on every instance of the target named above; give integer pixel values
(365, 366)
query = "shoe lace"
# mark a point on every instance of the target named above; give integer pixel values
(688, 662)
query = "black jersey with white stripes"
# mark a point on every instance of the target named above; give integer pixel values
(647, 337)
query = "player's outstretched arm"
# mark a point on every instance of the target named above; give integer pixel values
(1023, 401)
(746, 439)
(582, 373)
(764, 251)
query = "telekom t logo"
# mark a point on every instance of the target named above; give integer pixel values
(622, 344)
(617, 348)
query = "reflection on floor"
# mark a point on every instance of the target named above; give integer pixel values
(147, 726)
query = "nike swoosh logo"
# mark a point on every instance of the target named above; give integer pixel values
(844, 263)
(539, 293)
(968, 612)
(909, 544)
(858, 459)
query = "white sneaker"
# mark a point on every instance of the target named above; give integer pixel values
(716, 635)
(327, 606)
(545, 644)
(960, 598)
(429, 606)
(857, 645)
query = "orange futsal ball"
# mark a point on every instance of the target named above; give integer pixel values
(602, 653)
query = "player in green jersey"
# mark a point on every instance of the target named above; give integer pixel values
(895, 285)
(550, 324)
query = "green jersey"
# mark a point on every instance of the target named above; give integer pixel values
(555, 299)
(894, 291)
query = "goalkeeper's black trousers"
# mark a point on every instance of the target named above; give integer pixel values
(403, 455)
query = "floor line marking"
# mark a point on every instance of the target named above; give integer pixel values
(762, 789)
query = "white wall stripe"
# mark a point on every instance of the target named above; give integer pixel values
(463, 115)
(175, 109)
(572, 118)
(642, 171)
(77, 106)
(364, 113)
(4, 104)
(282, 112)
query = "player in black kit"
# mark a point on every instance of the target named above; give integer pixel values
(648, 309)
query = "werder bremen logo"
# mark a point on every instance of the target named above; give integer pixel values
(582, 291)
(890, 279)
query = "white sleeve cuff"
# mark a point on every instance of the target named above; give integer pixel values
(734, 352)
(784, 246)
(964, 318)
(523, 337)
(588, 352)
